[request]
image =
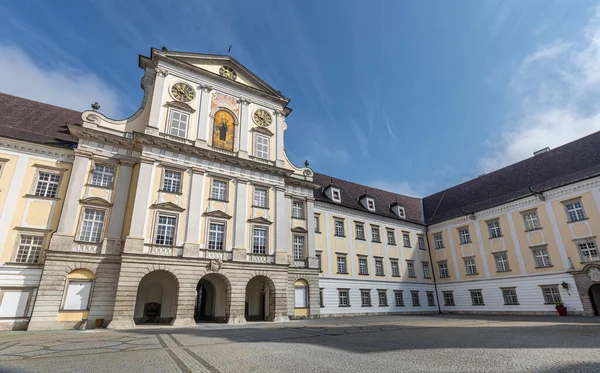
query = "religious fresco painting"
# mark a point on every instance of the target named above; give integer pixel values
(223, 130)
(220, 100)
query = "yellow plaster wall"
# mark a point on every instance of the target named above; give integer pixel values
(462, 251)
(447, 253)
(7, 175)
(504, 243)
(162, 124)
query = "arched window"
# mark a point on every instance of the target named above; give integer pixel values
(223, 130)
(78, 290)
(301, 294)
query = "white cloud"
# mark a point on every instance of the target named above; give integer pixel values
(65, 87)
(400, 187)
(557, 88)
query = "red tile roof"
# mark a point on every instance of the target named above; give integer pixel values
(33, 121)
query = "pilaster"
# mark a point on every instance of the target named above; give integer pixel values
(280, 128)
(135, 240)
(194, 212)
(68, 216)
(243, 127)
(282, 226)
(241, 216)
(121, 194)
(157, 100)
(203, 115)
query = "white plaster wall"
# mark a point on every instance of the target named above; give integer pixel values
(528, 290)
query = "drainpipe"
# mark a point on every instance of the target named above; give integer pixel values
(437, 297)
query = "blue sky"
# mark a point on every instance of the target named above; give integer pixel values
(409, 96)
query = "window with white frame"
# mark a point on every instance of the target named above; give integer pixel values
(470, 266)
(47, 184)
(575, 211)
(541, 257)
(494, 229)
(363, 266)
(216, 236)
(426, 273)
(343, 298)
(171, 181)
(371, 204)
(259, 240)
(365, 298)
(588, 250)
(298, 246)
(406, 239)
(298, 210)
(14, 303)
(395, 268)
(317, 224)
(30, 249)
(260, 197)
(410, 268)
(443, 267)
(219, 190)
(501, 260)
(391, 236)
(551, 294)
(476, 297)
(510, 296)
(421, 242)
(360, 231)
(414, 294)
(165, 230)
(438, 241)
(335, 193)
(178, 123)
(398, 298)
(341, 264)
(261, 146)
(375, 233)
(339, 227)
(77, 295)
(103, 175)
(379, 267)
(430, 299)
(92, 225)
(448, 298)
(531, 220)
(382, 297)
(463, 234)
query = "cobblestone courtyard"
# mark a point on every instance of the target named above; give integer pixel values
(362, 344)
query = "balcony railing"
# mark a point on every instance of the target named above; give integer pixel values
(163, 250)
(260, 258)
(87, 247)
(299, 263)
(216, 254)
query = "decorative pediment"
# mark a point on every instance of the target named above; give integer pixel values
(167, 206)
(299, 230)
(260, 220)
(180, 105)
(95, 201)
(217, 214)
(262, 130)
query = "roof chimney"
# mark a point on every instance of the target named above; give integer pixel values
(546, 149)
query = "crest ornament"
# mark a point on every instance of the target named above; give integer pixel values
(228, 72)
(215, 265)
(594, 274)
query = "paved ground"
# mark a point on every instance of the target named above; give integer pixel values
(361, 344)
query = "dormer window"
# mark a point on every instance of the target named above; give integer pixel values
(371, 204)
(335, 193)
(399, 210)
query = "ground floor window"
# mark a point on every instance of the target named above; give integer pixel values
(77, 295)
(399, 298)
(301, 292)
(321, 303)
(365, 298)
(551, 294)
(382, 296)
(415, 298)
(476, 297)
(448, 298)
(343, 298)
(430, 298)
(14, 302)
(510, 296)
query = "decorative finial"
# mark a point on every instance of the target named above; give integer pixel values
(306, 164)
(95, 106)
(164, 49)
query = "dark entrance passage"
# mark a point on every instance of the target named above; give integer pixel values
(594, 293)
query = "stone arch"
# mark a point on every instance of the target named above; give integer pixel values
(260, 298)
(213, 298)
(157, 293)
(215, 110)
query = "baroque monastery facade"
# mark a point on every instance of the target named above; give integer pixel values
(190, 210)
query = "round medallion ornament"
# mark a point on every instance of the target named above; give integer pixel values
(182, 92)
(262, 118)
(228, 72)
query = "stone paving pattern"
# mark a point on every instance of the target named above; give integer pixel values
(361, 344)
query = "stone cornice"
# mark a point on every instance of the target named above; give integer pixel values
(60, 154)
(80, 132)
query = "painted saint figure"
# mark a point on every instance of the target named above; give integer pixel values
(223, 130)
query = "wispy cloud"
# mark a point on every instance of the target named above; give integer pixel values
(557, 93)
(66, 87)
(361, 139)
(400, 187)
